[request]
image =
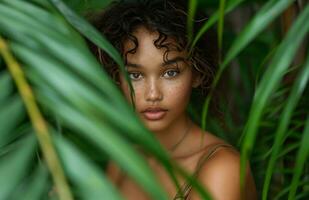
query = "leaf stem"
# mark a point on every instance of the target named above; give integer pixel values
(38, 122)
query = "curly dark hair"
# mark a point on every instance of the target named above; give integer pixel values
(168, 18)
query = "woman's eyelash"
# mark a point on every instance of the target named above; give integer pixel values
(174, 71)
(169, 73)
(134, 73)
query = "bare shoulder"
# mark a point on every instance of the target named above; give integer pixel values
(220, 176)
(221, 157)
(224, 165)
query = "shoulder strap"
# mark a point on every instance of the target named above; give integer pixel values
(186, 188)
(210, 152)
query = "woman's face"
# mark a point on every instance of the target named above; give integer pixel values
(162, 90)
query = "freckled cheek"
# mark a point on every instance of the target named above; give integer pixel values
(178, 95)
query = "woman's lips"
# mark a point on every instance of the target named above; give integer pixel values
(154, 115)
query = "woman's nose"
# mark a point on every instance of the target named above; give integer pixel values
(153, 91)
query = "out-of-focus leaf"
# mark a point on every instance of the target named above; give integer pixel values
(42, 3)
(82, 6)
(11, 113)
(28, 25)
(35, 186)
(90, 181)
(51, 39)
(15, 165)
(56, 47)
(40, 16)
(78, 92)
(6, 86)
(38, 121)
(92, 34)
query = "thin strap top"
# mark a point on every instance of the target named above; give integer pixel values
(186, 187)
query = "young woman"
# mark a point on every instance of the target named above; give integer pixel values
(152, 39)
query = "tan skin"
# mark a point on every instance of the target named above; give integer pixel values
(169, 87)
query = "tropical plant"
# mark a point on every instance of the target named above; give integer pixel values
(62, 118)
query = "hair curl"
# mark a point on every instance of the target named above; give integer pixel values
(168, 18)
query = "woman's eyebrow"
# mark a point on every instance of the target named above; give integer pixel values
(132, 65)
(173, 61)
(168, 62)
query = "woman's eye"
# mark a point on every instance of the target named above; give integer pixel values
(171, 73)
(134, 75)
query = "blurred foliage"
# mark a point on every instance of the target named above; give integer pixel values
(52, 106)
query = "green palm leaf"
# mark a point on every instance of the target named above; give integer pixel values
(266, 15)
(89, 180)
(270, 81)
(10, 164)
(302, 157)
(294, 97)
(35, 187)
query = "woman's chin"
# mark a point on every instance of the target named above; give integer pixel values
(155, 126)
